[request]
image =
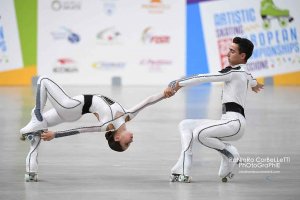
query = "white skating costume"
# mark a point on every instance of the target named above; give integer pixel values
(67, 109)
(212, 133)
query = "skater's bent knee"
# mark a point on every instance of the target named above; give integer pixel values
(201, 135)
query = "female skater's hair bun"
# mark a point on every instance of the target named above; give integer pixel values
(114, 145)
(108, 135)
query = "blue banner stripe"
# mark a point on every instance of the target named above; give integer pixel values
(196, 53)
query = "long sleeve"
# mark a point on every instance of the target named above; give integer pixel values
(203, 78)
(252, 81)
(77, 131)
(145, 103)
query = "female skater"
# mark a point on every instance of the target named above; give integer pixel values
(111, 116)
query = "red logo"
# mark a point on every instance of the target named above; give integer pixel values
(150, 37)
(65, 65)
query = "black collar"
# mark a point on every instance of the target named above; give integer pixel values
(229, 68)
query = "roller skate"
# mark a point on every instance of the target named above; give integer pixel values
(33, 128)
(269, 11)
(180, 178)
(228, 163)
(31, 177)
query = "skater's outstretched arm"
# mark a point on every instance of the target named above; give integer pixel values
(145, 103)
(175, 85)
(49, 135)
(202, 78)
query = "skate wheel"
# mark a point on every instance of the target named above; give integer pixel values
(283, 22)
(181, 178)
(30, 137)
(224, 180)
(185, 179)
(22, 137)
(174, 178)
(31, 178)
(230, 175)
(266, 24)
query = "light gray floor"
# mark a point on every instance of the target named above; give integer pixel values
(83, 167)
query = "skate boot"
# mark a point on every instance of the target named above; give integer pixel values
(180, 178)
(31, 177)
(228, 163)
(269, 11)
(33, 127)
(223, 165)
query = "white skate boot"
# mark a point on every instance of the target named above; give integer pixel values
(33, 127)
(181, 170)
(228, 164)
(223, 165)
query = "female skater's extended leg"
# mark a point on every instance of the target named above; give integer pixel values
(65, 105)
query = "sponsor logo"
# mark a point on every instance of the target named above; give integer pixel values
(109, 6)
(156, 6)
(108, 65)
(155, 64)
(63, 5)
(3, 47)
(149, 36)
(109, 36)
(66, 34)
(65, 65)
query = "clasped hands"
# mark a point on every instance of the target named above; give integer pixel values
(170, 91)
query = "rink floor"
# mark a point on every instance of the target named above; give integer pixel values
(83, 167)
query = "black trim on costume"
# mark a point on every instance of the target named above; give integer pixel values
(124, 111)
(108, 100)
(32, 152)
(219, 137)
(229, 68)
(108, 104)
(185, 152)
(226, 153)
(88, 99)
(63, 92)
(37, 110)
(233, 134)
(66, 133)
(232, 107)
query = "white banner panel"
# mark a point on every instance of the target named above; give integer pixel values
(273, 27)
(92, 41)
(10, 51)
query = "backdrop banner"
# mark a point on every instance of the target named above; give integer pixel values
(97, 41)
(272, 25)
(10, 50)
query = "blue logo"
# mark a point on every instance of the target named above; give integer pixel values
(66, 34)
(3, 47)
